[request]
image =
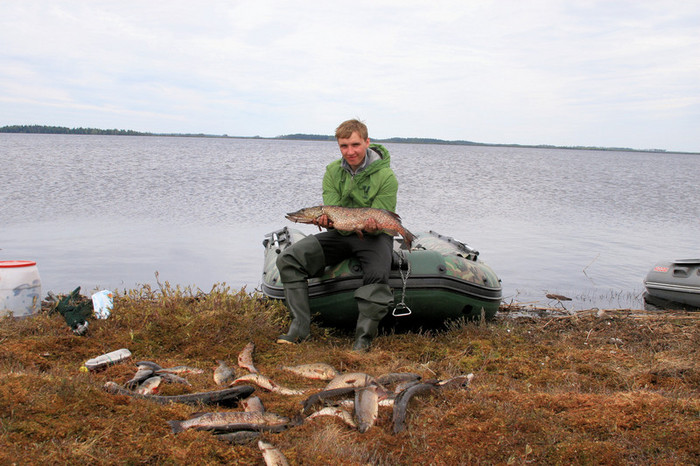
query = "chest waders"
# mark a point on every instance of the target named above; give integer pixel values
(306, 259)
(296, 264)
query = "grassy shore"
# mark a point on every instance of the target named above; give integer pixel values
(597, 387)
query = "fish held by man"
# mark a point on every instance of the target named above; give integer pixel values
(355, 219)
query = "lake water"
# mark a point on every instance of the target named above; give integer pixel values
(112, 211)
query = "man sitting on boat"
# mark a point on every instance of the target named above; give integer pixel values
(362, 177)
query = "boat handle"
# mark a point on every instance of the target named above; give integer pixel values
(276, 243)
(401, 310)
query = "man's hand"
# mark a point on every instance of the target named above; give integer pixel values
(323, 221)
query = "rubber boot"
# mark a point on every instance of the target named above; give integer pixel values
(372, 304)
(296, 295)
(296, 264)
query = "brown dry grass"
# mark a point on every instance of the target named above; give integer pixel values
(618, 387)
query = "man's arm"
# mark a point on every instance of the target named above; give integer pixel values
(331, 193)
(387, 193)
(385, 199)
(331, 196)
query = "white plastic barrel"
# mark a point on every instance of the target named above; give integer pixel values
(20, 288)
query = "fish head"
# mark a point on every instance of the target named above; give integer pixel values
(305, 215)
(461, 381)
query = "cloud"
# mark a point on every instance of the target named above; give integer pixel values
(535, 72)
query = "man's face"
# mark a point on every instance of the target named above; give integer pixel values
(353, 149)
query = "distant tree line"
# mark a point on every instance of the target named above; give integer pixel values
(322, 137)
(307, 137)
(41, 129)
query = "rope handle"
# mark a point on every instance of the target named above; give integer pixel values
(401, 309)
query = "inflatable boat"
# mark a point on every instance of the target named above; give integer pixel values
(674, 285)
(439, 279)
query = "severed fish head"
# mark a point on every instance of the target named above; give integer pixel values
(305, 215)
(461, 381)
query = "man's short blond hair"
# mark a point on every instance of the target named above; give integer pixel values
(346, 128)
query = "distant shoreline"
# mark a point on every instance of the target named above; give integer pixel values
(42, 129)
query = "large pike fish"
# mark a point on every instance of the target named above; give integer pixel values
(354, 219)
(227, 397)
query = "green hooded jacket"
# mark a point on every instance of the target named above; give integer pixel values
(376, 186)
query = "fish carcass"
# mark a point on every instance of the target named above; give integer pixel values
(231, 421)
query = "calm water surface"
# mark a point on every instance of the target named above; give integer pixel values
(112, 211)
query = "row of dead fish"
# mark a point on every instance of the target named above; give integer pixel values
(149, 375)
(354, 398)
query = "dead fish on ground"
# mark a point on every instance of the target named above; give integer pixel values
(245, 358)
(264, 382)
(227, 397)
(223, 374)
(350, 403)
(402, 399)
(180, 370)
(239, 438)
(366, 407)
(253, 404)
(272, 455)
(397, 377)
(351, 379)
(316, 371)
(149, 386)
(143, 373)
(461, 381)
(149, 364)
(340, 413)
(324, 396)
(172, 378)
(231, 421)
(355, 219)
(404, 385)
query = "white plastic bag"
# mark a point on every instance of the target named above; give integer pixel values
(103, 302)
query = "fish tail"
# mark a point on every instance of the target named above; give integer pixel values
(176, 426)
(398, 427)
(408, 238)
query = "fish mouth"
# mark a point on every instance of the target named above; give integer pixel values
(296, 218)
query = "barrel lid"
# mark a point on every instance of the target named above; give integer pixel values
(8, 264)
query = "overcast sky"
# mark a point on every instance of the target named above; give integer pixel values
(571, 72)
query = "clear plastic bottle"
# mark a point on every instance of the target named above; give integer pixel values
(107, 359)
